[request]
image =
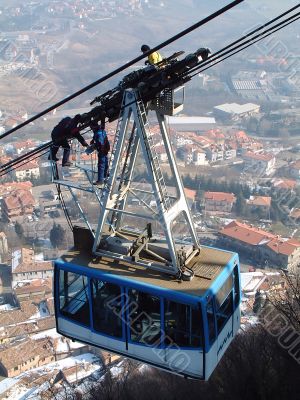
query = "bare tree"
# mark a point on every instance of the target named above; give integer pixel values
(286, 300)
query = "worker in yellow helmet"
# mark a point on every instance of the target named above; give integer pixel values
(153, 58)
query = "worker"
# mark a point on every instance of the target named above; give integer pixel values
(101, 143)
(153, 58)
(66, 129)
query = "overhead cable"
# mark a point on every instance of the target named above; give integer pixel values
(213, 60)
(125, 66)
(253, 39)
(248, 45)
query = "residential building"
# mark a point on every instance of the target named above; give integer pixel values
(230, 151)
(32, 270)
(32, 311)
(262, 204)
(295, 215)
(214, 153)
(259, 163)
(26, 145)
(25, 267)
(199, 157)
(283, 184)
(46, 206)
(161, 153)
(25, 356)
(28, 292)
(18, 203)
(7, 188)
(219, 202)
(267, 249)
(27, 171)
(13, 331)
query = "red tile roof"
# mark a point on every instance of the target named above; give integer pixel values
(160, 149)
(20, 353)
(295, 214)
(31, 289)
(246, 233)
(220, 196)
(19, 199)
(284, 183)
(190, 194)
(33, 267)
(259, 156)
(260, 201)
(286, 247)
(296, 165)
(27, 166)
(10, 186)
(23, 145)
(254, 236)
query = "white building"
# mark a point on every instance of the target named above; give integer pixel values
(3, 245)
(259, 163)
(27, 171)
(199, 157)
(236, 111)
(191, 124)
(25, 267)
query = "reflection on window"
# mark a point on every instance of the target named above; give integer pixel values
(236, 286)
(183, 325)
(224, 312)
(210, 321)
(107, 308)
(144, 317)
(73, 295)
(223, 291)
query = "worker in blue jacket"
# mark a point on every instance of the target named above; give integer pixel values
(101, 143)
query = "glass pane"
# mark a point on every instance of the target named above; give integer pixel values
(144, 317)
(73, 295)
(183, 325)
(210, 321)
(224, 312)
(223, 291)
(236, 286)
(107, 308)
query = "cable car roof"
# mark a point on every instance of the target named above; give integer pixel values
(208, 265)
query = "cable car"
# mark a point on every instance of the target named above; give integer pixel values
(182, 327)
(138, 293)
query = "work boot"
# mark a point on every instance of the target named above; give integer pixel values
(99, 184)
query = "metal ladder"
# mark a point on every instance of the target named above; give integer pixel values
(153, 156)
(117, 136)
(125, 174)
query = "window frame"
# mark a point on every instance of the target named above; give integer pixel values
(236, 287)
(211, 339)
(218, 308)
(61, 294)
(191, 306)
(158, 343)
(92, 309)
